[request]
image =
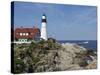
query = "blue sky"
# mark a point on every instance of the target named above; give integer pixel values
(64, 22)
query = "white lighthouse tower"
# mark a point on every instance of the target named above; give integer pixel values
(43, 28)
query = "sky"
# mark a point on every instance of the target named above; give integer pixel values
(64, 22)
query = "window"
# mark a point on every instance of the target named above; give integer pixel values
(26, 34)
(20, 34)
(23, 34)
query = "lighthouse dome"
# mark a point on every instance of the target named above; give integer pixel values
(43, 17)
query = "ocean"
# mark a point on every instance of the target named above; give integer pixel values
(89, 44)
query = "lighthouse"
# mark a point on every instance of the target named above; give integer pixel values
(43, 27)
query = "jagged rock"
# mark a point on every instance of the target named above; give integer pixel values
(92, 64)
(75, 67)
(74, 48)
(70, 57)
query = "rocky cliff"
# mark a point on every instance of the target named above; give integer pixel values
(69, 56)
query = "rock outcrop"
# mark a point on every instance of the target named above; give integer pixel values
(71, 57)
(59, 57)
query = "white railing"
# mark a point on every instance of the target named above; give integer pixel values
(21, 42)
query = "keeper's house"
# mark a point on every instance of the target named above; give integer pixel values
(26, 35)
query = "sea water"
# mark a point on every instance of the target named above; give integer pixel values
(89, 44)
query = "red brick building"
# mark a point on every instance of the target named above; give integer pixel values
(26, 34)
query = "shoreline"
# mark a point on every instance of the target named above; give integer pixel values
(89, 44)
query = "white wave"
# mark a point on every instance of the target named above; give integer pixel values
(86, 42)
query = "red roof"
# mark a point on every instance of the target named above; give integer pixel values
(31, 32)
